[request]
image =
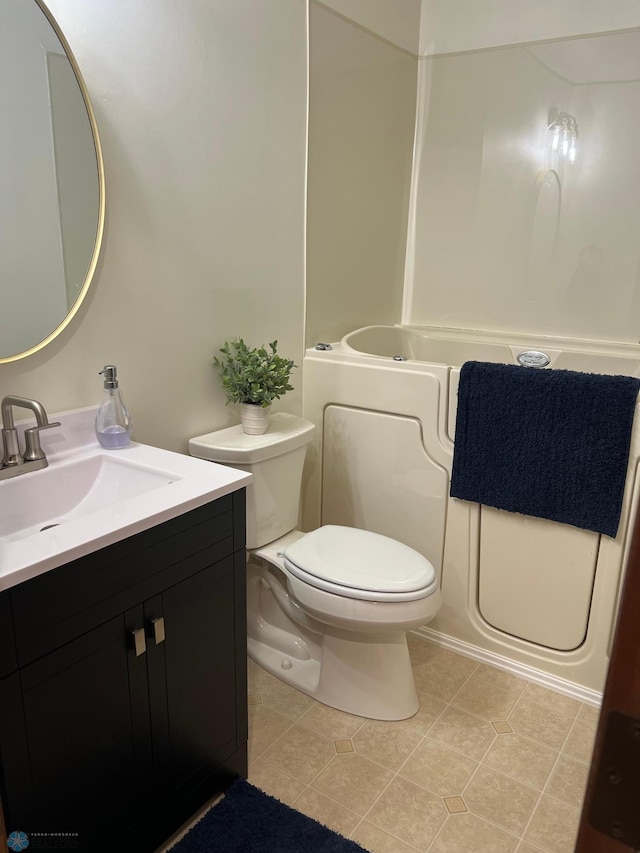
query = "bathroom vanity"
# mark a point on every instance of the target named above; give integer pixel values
(123, 705)
(123, 702)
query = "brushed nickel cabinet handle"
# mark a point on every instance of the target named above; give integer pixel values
(158, 629)
(139, 642)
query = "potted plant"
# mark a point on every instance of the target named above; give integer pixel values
(253, 377)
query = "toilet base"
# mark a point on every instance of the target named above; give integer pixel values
(366, 674)
(370, 679)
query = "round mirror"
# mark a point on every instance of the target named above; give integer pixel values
(51, 180)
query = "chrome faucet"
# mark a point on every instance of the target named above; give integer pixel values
(33, 459)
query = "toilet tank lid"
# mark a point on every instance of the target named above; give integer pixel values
(285, 433)
(360, 559)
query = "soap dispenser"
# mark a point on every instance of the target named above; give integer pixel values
(113, 424)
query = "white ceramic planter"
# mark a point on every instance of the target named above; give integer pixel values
(254, 418)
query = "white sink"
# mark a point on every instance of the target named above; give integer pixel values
(89, 497)
(73, 489)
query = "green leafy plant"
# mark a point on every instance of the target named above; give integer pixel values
(253, 374)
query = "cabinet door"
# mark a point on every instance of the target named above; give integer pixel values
(77, 752)
(193, 675)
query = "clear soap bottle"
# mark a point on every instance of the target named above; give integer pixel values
(113, 424)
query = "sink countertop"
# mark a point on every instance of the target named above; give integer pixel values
(180, 483)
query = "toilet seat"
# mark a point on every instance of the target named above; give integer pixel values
(360, 564)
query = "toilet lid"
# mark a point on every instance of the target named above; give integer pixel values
(358, 559)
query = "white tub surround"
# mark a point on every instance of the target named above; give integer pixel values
(525, 590)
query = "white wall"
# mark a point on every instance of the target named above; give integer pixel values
(397, 21)
(489, 249)
(476, 192)
(361, 122)
(455, 25)
(202, 111)
(598, 267)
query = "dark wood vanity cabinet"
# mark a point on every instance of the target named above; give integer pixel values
(123, 705)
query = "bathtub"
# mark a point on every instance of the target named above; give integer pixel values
(438, 346)
(525, 594)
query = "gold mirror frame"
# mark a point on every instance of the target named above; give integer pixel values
(101, 197)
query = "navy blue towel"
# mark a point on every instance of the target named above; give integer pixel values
(549, 443)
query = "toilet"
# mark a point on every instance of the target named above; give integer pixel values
(328, 610)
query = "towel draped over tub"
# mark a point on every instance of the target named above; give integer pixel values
(548, 443)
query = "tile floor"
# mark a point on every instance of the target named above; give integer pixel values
(490, 763)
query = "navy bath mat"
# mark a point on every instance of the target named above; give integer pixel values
(549, 443)
(250, 821)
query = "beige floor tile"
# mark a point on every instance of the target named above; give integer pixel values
(273, 781)
(418, 648)
(525, 760)
(388, 744)
(377, 840)
(437, 677)
(326, 811)
(410, 812)
(501, 800)
(464, 732)
(353, 781)
(265, 727)
(589, 713)
(258, 679)
(568, 781)
(332, 723)
(552, 699)
(301, 753)
(540, 723)
(293, 757)
(428, 712)
(580, 741)
(466, 832)
(554, 826)
(286, 700)
(462, 663)
(455, 805)
(499, 678)
(483, 699)
(438, 768)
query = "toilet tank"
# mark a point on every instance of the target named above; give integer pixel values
(275, 459)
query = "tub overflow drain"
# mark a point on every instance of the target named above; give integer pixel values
(399, 357)
(49, 526)
(533, 358)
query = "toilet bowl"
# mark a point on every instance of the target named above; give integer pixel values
(328, 610)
